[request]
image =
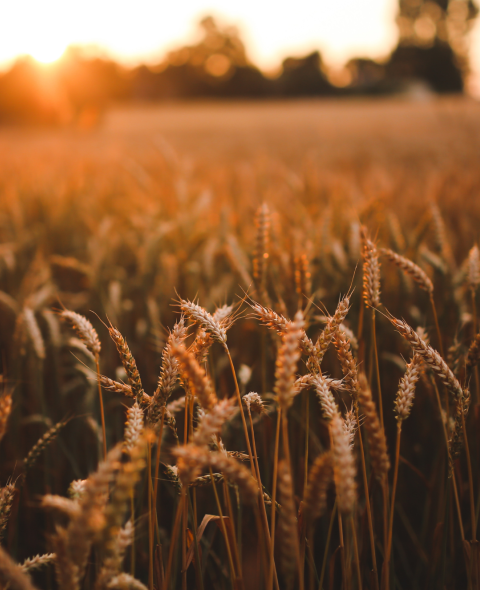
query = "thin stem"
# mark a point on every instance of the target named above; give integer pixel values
(312, 570)
(342, 551)
(361, 341)
(474, 309)
(454, 483)
(345, 577)
(236, 554)
(262, 499)
(274, 498)
(132, 546)
(102, 413)
(286, 452)
(475, 324)
(307, 434)
(173, 541)
(184, 546)
(198, 565)
(385, 513)
(184, 512)
(474, 549)
(355, 549)
(327, 545)
(367, 502)
(392, 506)
(242, 413)
(470, 480)
(377, 368)
(437, 326)
(224, 530)
(150, 521)
(157, 466)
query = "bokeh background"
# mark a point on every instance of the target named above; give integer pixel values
(64, 62)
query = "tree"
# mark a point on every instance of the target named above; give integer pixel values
(433, 43)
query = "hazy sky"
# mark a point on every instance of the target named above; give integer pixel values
(143, 29)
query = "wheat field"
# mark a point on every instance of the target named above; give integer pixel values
(239, 348)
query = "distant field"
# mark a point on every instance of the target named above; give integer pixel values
(377, 129)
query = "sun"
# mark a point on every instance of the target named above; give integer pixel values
(47, 51)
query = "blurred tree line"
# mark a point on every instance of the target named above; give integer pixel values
(432, 49)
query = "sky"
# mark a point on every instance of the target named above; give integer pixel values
(143, 30)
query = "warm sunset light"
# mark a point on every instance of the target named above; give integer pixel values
(144, 31)
(46, 52)
(239, 294)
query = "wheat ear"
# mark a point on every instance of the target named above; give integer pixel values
(371, 272)
(261, 254)
(431, 357)
(7, 494)
(343, 466)
(328, 333)
(197, 379)
(375, 433)
(12, 575)
(410, 268)
(319, 479)
(286, 364)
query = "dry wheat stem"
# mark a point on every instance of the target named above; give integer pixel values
(287, 526)
(388, 550)
(262, 495)
(367, 499)
(377, 369)
(173, 539)
(274, 496)
(102, 411)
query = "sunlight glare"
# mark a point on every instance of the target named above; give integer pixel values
(47, 52)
